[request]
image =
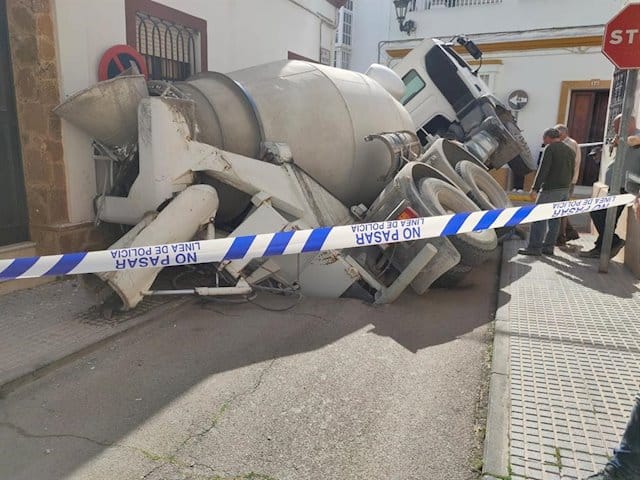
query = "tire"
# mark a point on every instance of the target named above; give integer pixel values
(440, 198)
(485, 191)
(523, 163)
(453, 277)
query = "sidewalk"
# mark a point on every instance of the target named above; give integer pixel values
(566, 365)
(62, 320)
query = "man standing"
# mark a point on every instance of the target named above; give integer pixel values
(631, 162)
(552, 183)
(567, 232)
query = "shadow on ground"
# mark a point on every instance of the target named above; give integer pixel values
(172, 355)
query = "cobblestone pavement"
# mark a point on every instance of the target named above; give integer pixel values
(574, 341)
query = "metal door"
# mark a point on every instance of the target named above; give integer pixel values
(14, 224)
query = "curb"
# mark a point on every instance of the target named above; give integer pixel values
(29, 375)
(496, 444)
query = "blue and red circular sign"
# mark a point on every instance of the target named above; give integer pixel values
(119, 58)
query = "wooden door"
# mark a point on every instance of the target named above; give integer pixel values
(586, 123)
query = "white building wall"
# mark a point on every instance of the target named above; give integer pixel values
(540, 74)
(373, 22)
(240, 33)
(508, 16)
(376, 21)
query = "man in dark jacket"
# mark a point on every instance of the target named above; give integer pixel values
(551, 185)
(629, 164)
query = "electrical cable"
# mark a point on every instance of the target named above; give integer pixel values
(284, 309)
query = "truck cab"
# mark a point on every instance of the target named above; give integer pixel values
(446, 98)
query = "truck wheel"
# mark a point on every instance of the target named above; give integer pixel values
(440, 198)
(453, 277)
(523, 163)
(485, 191)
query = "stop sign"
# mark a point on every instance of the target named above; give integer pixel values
(622, 38)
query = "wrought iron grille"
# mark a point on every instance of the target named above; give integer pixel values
(615, 103)
(168, 47)
(458, 3)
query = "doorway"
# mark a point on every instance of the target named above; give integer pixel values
(14, 222)
(586, 123)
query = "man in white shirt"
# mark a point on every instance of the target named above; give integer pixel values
(567, 231)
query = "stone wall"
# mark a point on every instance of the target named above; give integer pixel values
(33, 50)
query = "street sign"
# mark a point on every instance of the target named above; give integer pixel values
(119, 58)
(518, 99)
(621, 43)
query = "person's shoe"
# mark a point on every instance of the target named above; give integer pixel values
(600, 476)
(530, 252)
(548, 251)
(560, 242)
(615, 249)
(611, 473)
(593, 253)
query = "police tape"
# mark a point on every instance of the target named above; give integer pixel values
(297, 241)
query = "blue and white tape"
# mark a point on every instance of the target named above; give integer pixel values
(296, 241)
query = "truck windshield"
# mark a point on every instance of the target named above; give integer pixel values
(414, 84)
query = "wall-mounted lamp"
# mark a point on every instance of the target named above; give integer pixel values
(401, 13)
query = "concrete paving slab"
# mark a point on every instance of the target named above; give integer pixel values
(46, 324)
(574, 361)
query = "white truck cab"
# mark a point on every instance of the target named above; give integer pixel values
(445, 97)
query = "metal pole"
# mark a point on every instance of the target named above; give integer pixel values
(628, 103)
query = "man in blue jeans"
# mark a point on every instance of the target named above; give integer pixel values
(625, 464)
(552, 184)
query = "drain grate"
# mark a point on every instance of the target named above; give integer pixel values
(101, 315)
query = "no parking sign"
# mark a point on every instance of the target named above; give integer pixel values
(119, 58)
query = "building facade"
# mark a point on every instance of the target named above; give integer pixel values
(549, 50)
(51, 49)
(344, 36)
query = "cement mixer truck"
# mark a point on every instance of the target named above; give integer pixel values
(285, 146)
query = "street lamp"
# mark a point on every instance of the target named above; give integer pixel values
(401, 13)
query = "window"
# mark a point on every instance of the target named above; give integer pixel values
(342, 57)
(414, 85)
(342, 52)
(490, 75)
(173, 43)
(345, 23)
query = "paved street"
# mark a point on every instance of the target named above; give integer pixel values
(330, 389)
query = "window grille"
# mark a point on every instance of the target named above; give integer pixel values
(429, 4)
(170, 49)
(617, 96)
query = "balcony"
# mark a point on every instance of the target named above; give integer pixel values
(432, 4)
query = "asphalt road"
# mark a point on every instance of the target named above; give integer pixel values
(328, 390)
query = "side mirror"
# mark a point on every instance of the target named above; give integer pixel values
(471, 47)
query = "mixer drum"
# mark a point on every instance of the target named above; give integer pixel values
(322, 113)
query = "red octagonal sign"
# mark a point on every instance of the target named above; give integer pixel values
(622, 38)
